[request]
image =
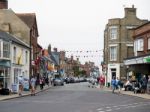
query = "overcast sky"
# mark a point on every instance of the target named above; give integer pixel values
(77, 25)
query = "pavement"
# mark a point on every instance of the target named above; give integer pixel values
(131, 93)
(27, 93)
(24, 93)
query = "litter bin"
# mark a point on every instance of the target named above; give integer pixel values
(108, 84)
(4, 91)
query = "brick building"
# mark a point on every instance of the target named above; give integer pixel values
(139, 64)
(118, 43)
(30, 20)
(22, 26)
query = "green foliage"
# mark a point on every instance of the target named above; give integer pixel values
(78, 72)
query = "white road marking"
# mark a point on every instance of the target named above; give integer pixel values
(100, 109)
(118, 107)
(109, 110)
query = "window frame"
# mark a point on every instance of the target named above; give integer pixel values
(113, 53)
(140, 44)
(113, 32)
(6, 49)
(148, 44)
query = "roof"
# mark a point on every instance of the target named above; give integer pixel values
(55, 57)
(142, 25)
(28, 18)
(8, 37)
(39, 46)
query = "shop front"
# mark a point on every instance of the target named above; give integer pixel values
(113, 71)
(4, 73)
(138, 67)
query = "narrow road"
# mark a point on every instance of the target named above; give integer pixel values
(76, 98)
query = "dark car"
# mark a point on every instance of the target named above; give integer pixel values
(58, 82)
(67, 80)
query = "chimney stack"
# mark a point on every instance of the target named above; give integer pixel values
(55, 49)
(130, 12)
(3, 4)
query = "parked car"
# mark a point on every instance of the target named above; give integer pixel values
(58, 82)
(92, 80)
(67, 80)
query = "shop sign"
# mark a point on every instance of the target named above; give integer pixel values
(147, 60)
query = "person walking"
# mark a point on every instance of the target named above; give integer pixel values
(102, 81)
(20, 78)
(143, 84)
(113, 84)
(47, 81)
(41, 83)
(148, 85)
(33, 84)
(118, 84)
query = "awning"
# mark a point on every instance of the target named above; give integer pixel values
(137, 60)
(5, 63)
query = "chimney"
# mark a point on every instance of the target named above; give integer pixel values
(71, 58)
(55, 49)
(130, 12)
(3, 4)
(49, 49)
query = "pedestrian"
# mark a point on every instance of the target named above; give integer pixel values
(41, 83)
(47, 81)
(118, 84)
(21, 82)
(148, 85)
(113, 84)
(143, 84)
(33, 84)
(102, 81)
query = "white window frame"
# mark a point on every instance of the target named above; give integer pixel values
(140, 45)
(6, 49)
(149, 43)
(113, 32)
(113, 53)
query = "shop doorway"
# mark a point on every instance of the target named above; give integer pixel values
(4, 77)
(113, 73)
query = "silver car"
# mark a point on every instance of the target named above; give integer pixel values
(58, 82)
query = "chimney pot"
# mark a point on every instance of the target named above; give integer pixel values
(3, 4)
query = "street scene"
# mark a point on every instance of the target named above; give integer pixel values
(74, 56)
(76, 97)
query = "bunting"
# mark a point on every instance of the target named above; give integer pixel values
(84, 51)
